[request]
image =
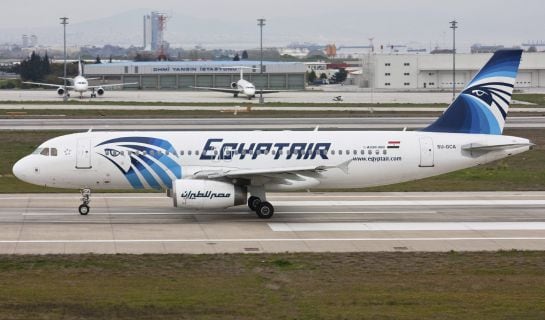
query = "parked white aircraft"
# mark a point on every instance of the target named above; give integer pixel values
(241, 87)
(79, 84)
(217, 169)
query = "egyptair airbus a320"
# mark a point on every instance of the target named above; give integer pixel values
(221, 169)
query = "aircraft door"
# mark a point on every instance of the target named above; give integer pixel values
(83, 154)
(426, 152)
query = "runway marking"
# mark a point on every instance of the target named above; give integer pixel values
(407, 226)
(414, 203)
(212, 213)
(211, 241)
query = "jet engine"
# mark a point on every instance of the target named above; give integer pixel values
(234, 85)
(100, 91)
(207, 194)
(60, 91)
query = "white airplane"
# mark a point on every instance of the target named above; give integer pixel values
(219, 169)
(241, 87)
(79, 84)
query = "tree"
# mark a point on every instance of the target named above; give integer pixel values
(98, 61)
(340, 76)
(311, 76)
(244, 55)
(35, 68)
(236, 58)
(323, 76)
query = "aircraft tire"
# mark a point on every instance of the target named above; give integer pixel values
(265, 210)
(253, 203)
(83, 209)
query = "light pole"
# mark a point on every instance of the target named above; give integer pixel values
(64, 22)
(261, 24)
(454, 26)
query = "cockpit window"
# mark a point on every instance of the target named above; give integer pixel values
(53, 152)
(45, 152)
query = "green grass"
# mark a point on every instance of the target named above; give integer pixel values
(500, 285)
(522, 172)
(89, 113)
(538, 99)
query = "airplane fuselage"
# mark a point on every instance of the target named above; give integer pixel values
(246, 88)
(80, 84)
(154, 160)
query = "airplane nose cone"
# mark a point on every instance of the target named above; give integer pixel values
(20, 169)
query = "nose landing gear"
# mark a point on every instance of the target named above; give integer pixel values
(85, 198)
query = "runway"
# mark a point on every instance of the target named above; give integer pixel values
(303, 222)
(350, 94)
(356, 123)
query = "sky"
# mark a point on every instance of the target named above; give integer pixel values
(344, 22)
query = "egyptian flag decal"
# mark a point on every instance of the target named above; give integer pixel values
(393, 144)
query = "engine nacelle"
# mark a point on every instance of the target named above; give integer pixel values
(207, 194)
(60, 91)
(100, 91)
(234, 85)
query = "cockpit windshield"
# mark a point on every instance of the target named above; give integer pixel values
(46, 152)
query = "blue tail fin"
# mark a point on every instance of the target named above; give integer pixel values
(482, 106)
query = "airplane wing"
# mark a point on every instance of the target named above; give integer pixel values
(257, 91)
(225, 90)
(48, 84)
(246, 173)
(112, 85)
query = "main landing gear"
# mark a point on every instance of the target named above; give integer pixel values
(263, 209)
(93, 94)
(85, 198)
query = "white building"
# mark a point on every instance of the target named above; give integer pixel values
(434, 71)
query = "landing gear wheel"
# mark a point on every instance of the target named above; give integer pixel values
(85, 199)
(253, 202)
(265, 210)
(83, 209)
(235, 95)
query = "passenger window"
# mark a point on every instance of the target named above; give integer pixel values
(370, 152)
(181, 152)
(362, 152)
(384, 151)
(355, 152)
(332, 152)
(53, 152)
(189, 152)
(197, 152)
(340, 152)
(45, 152)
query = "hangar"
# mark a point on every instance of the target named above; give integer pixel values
(181, 75)
(434, 71)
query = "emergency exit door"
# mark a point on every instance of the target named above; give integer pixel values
(426, 152)
(83, 154)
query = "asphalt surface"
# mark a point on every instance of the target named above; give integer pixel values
(303, 222)
(309, 96)
(356, 123)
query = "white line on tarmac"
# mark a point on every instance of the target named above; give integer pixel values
(213, 213)
(407, 226)
(212, 241)
(415, 203)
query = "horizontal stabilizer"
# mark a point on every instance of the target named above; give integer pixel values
(483, 147)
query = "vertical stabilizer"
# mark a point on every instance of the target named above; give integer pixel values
(483, 105)
(80, 70)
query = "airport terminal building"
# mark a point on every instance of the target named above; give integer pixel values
(434, 71)
(181, 75)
